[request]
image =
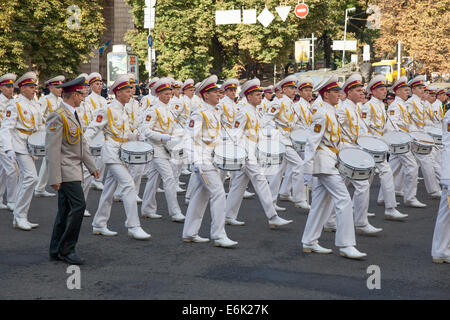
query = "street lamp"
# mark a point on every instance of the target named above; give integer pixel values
(345, 32)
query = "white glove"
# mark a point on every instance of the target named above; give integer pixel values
(307, 178)
(141, 137)
(11, 155)
(165, 137)
(197, 168)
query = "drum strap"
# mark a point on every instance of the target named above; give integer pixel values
(123, 140)
(334, 150)
(25, 131)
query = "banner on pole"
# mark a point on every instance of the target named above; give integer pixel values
(302, 48)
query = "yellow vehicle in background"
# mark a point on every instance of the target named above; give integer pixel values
(388, 68)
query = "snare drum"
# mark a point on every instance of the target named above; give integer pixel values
(229, 157)
(355, 164)
(375, 146)
(136, 152)
(436, 133)
(422, 143)
(398, 142)
(270, 152)
(298, 138)
(175, 146)
(36, 144)
(97, 144)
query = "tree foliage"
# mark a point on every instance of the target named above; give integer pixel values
(191, 45)
(34, 36)
(423, 28)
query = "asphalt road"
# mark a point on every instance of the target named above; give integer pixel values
(267, 264)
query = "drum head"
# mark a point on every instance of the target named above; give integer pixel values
(270, 146)
(418, 135)
(37, 138)
(356, 158)
(436, 132)
(373, 144)
(137, 146)
(98, 141)
(396, 137)
(229, 151)
(299, 135)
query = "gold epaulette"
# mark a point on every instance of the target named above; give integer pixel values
(60, 110)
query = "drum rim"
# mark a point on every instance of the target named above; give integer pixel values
(340, 160)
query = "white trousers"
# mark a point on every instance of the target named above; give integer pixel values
(405, 171)
(329, 190)
(25, 186)
(136, 171)
(43, 176)
(387, 189)
(160, 168)
(292, 158)
(117, 174)
(239, 183)
(203, 191)
(425, 162)
(441, 237)
(8, 179)
(436, 156)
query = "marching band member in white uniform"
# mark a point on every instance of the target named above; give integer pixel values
(373, 117)
(419, 121)
(48, 103)
(205, 131)
(157, 126)
(247, 126)
(148, 100)
(322, 146)
(404, 166)
(284, 115)
(113, 120)
(22, 118)
(8, 172)
(440, 250)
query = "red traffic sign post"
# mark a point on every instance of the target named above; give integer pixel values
(301, 10)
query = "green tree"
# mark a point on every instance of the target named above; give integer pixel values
(35, 36)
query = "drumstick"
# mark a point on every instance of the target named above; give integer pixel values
(231, 180)
(204, 179)
(17, 168)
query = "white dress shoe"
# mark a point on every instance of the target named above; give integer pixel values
(97, 185)
(160, 190)
(86, 213)
(415, 204)
(327, 228)
(399, 194)
(21, 223)
(248, 194)
(180, 189)
(351, 253)
(196, 239)
(436, 195)
(286, 198)
(138, 200)
(370, 214)
(234, 222)
(151, 215)
(3, 206)
(117, 199)
(277, 208)
(39, 194)
(185, 172)
(33, 225)
(186, 200)
(225, 243)
(276, 221)
(104, 231)
(394, 214)
(303, 205)
(138, 234)
(369, 229)
(181, 183)
(316, 248)
(11, 206)
(441, 260)
(178, 217)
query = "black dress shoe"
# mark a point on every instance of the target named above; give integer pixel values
(72, 258)
(54, 257)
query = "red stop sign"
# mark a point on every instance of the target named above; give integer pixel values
(301, 10)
